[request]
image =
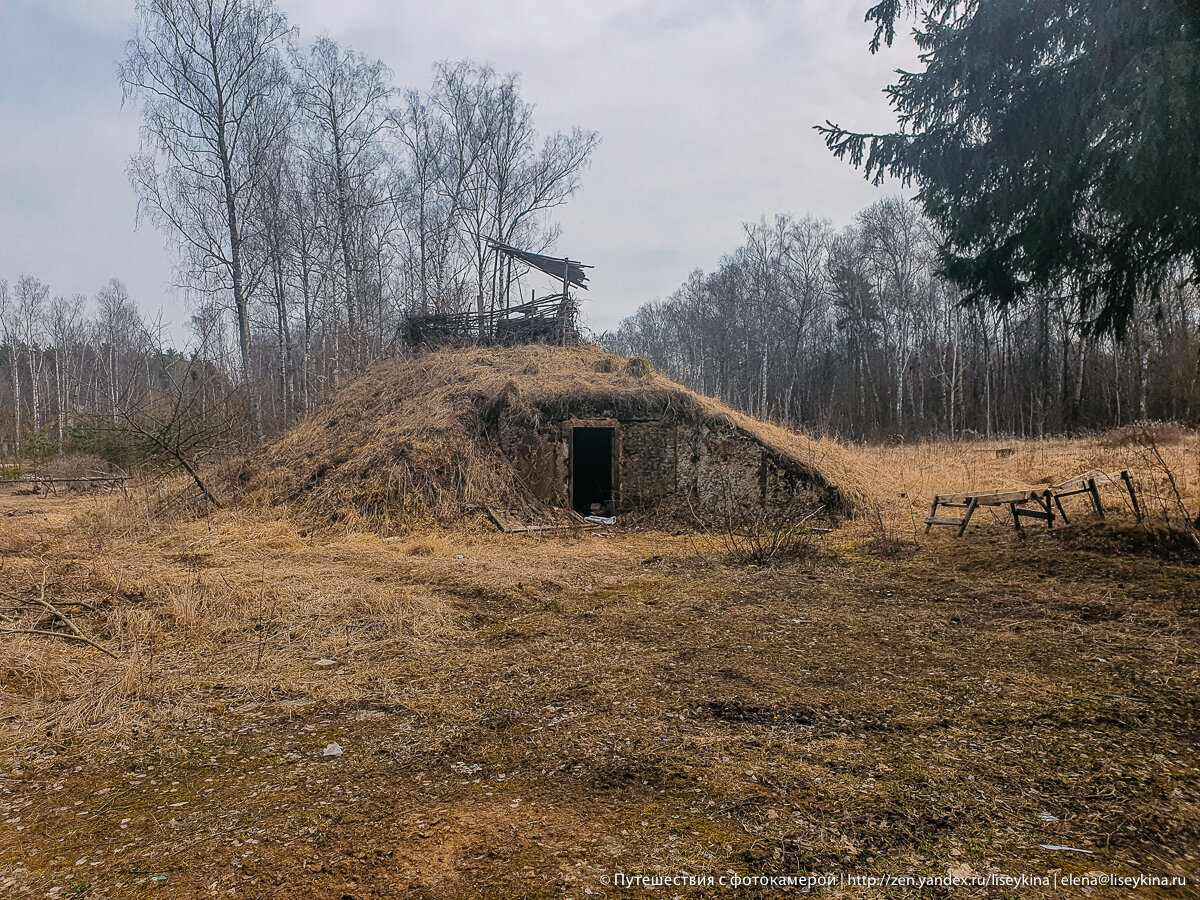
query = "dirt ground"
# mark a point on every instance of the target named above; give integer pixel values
(554, 716)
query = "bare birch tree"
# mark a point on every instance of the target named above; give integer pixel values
(67, 340)
(213, 88)
(343, 95)
(8, 324)
(31, 300)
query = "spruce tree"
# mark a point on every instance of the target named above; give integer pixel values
(1055, 143)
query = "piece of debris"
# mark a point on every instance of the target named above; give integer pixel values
(334, 749)
(1068, 849)
(1033, 503)
(463, 768)
(1047, 817)
(326, 663)
(601, 520)
(1089, 483)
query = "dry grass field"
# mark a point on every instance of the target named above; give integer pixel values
(528, 716)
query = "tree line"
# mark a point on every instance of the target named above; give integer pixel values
(96, 376)
(1045, 279)
(311, 203)
(854, 332)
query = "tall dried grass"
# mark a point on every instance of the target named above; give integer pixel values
(903, 480)
(237, 602)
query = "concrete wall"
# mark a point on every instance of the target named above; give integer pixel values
(663, 465)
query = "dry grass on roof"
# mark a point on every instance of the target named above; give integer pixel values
(409, 440)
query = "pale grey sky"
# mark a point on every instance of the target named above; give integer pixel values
(705, 110)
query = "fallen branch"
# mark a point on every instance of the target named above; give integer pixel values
(75, 633)
(60, 634)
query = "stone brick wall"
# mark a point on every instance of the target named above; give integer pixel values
(649, 463)
(663, 465)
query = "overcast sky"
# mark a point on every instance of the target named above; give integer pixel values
(705, 110)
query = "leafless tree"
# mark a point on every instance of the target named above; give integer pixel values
(32, 297)
(117, 333)
(67, 341)
(343, 95)
(854, 332)
(8, 325)
(214, 90)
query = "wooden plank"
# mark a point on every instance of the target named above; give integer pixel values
(1071, 493)
(509, 524)
(503, 520)
(993, 498)
(1062, 512)
(1044, 502)
(525, 529)
(1089, 483)
(929, 521)
(1080, 483)
(1095, 497)
(1137, 510)
(91, 479)
(1076, 483)
(967, 518)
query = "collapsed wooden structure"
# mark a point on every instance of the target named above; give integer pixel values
(1037, 503)
(550, 319)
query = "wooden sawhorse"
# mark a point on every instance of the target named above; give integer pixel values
(1088, 483)
(1028, 503)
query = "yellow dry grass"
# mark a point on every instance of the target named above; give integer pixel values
(245, 600)
(584, 702)
(902, 480)
(251, 598)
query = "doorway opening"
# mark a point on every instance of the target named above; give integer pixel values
(592, 470)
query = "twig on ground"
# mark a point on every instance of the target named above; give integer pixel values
(60, 634)
(75, 633)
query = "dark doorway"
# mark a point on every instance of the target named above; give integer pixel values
(592, 469)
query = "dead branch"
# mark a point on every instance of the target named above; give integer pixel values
(60, 634)
(75, 633)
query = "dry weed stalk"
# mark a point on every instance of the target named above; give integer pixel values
(1189, 523)
(753, 533)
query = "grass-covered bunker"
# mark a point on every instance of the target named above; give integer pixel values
(446, 433)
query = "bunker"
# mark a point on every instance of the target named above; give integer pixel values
(600, 462)
(536, 431)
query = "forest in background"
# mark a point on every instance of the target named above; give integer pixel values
(312, 205)
(839, 331)
(852, 332)
(1042, 280)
